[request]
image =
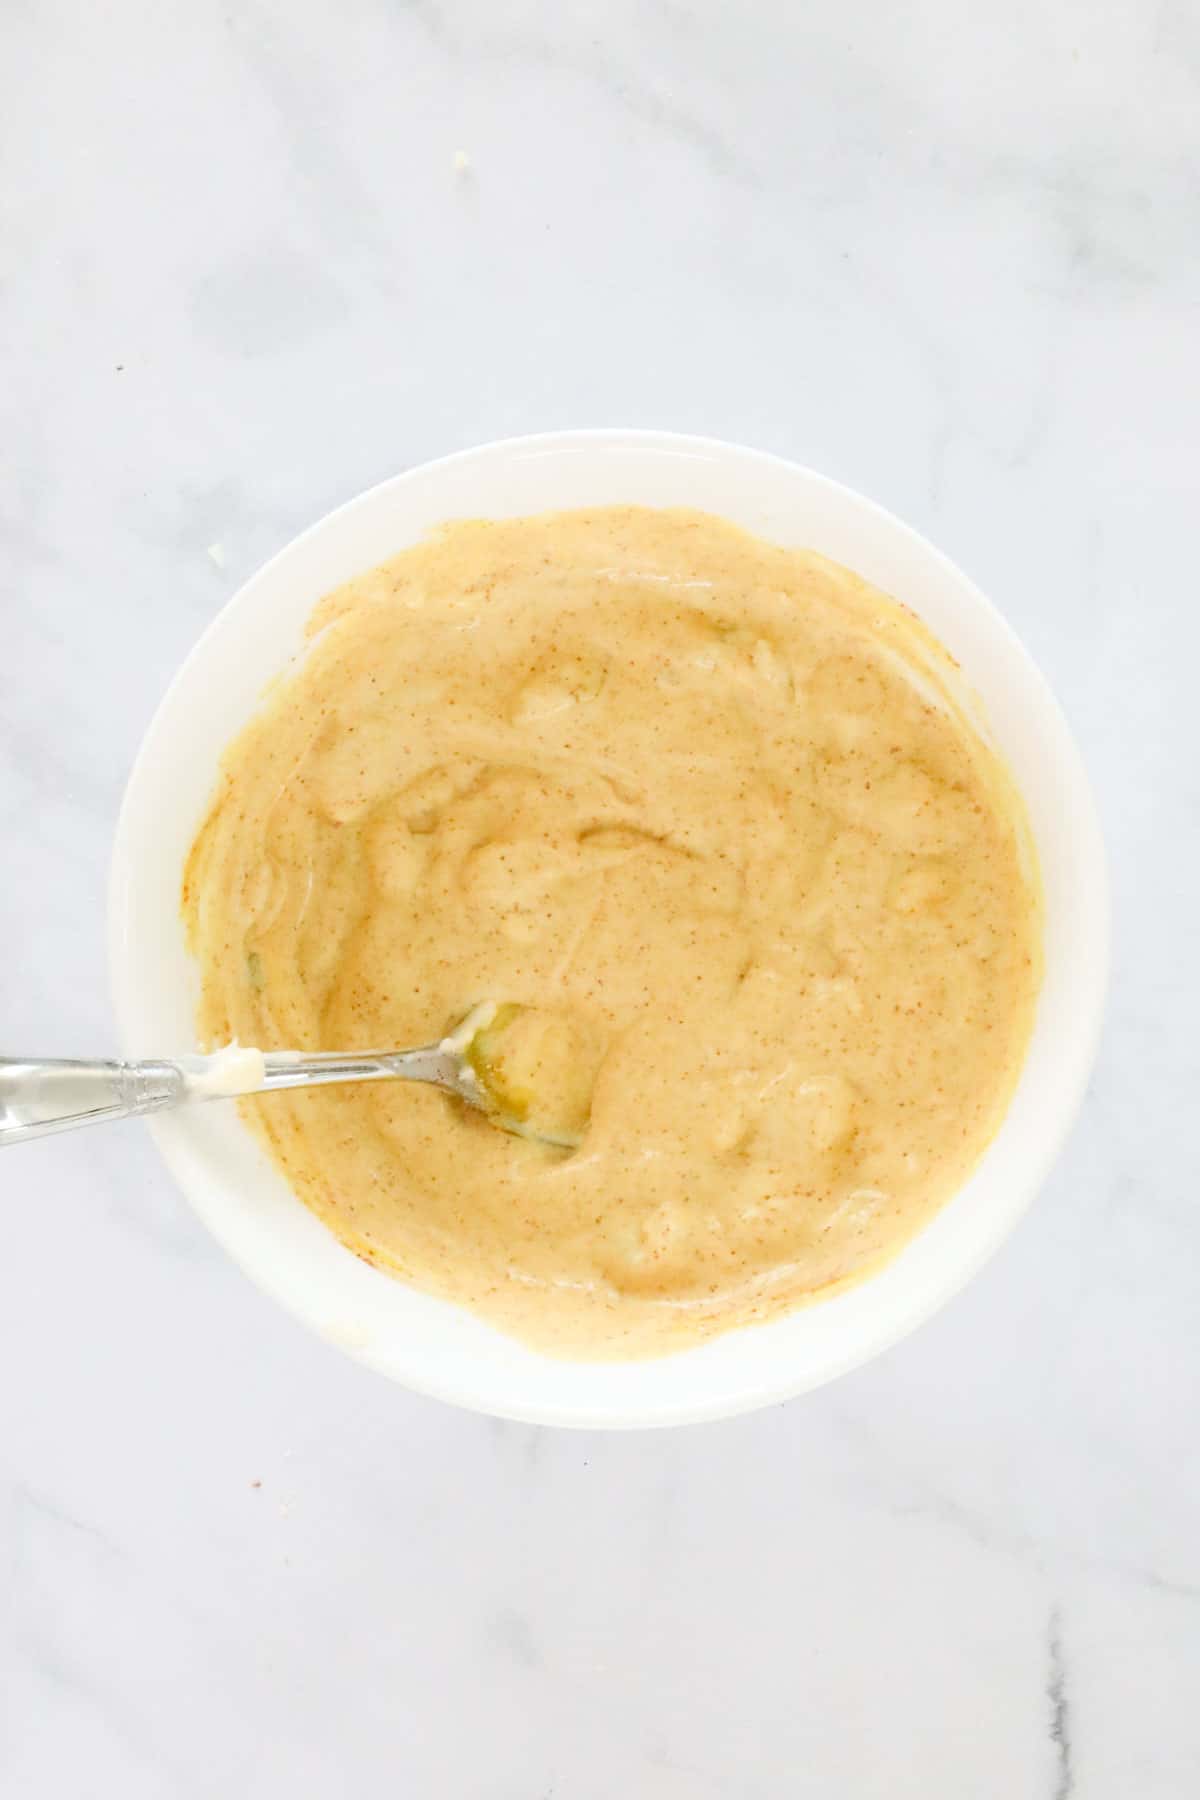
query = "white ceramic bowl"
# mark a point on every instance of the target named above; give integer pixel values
(426, 1343)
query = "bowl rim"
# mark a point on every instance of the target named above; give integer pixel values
(785, 1382)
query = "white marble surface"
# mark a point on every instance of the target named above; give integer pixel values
(950, 254)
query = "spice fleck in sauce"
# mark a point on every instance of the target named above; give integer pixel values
(716, 815)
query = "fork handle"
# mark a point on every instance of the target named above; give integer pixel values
(40, 1096)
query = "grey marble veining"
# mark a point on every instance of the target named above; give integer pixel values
(950, 255)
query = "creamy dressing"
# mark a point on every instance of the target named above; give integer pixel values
(234, 1070)
(716, 817)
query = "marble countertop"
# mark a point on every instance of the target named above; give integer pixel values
(950, 255)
